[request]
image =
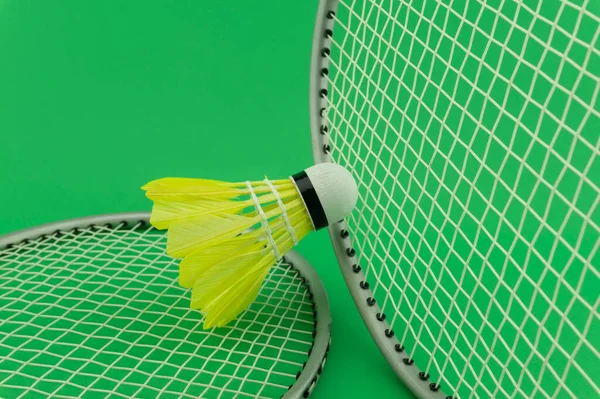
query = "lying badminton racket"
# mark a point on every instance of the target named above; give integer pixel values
(473, 131)
(92, 308)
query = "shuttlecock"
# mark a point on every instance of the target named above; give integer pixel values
(230, 234)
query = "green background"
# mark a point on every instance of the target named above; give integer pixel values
(97, 98)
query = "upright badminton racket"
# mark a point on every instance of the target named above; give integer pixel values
(92, 308)
(473, 131)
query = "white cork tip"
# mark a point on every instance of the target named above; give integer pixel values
(335, 188)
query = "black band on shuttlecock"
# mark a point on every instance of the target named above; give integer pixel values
(311, 200)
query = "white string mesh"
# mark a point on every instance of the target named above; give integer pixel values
(473, 129)
(99, 312)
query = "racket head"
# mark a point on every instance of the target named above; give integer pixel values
(92, 307)
(405, 305)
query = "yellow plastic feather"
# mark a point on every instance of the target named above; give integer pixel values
(175, 186)
(194, 265)
(167, 211)
(222, 301)
(188, 236)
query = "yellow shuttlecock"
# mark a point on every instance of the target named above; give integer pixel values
(230, 234)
